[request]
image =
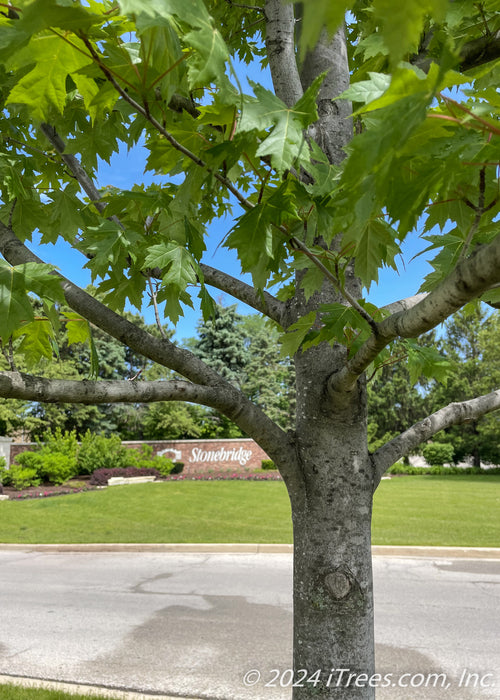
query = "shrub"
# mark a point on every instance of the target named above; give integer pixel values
(437, 453)
(177, 468)
(100, 452)
(49, 465)
(30, 460)
(23, 477)
(5, 475)
(163, 464)
(60, 443)
(57, 467)
(268, 464)
(100, 476)
(400, 468)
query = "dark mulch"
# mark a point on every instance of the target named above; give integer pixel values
(45, 490)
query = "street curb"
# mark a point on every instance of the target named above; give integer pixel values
(243, 548)
(87, 690)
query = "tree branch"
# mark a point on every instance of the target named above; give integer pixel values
(280, 45)
(482, 50)
(75, 167)
(404, 304)
(264, 303)
(159, 350)
(210, 385)
(453, 414)
(471, 278)
(277, 444)
(17, 385)
(472, 54)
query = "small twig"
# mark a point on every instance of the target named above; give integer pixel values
(11, 356)
(479, 209)
(480, 9)
(245, 7)
(388, 363)
(11, 213)
(448, 100)
(173, 142)
(299, 245)
(153, 294)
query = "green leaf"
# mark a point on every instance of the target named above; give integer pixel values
(191, 11)
(286, 140)
(319, 14)
(65, 216)
(110, 246)
(44, 87)
(375, 246)
(38, 278)
(255, 237)
(403, 23)
(77, 328)
(179, 268)
(312, 281)
(208, 63)
(340, 324)
(15, 305)
(366, 91)
(37, 341)
(444, 262)
(292, 339)
(426, 362)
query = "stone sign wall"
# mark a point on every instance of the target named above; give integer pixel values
(205, 455)
(198, 455)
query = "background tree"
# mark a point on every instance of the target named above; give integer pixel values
(470, 342)
(320, 211)
(269, 377)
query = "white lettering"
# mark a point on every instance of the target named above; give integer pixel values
(239, 455)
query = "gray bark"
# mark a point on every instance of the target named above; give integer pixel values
(331, 508)
(334, 128)
(280, 45)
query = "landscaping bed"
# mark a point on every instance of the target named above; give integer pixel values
(45, 490)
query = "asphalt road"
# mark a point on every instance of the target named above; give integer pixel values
(195, 624)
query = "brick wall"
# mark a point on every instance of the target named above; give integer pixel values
(198, 455)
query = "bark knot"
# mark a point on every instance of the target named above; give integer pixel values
(339, 583)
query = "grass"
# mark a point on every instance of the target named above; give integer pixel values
(414, 510)
(455, 511)
(15, 692)
(175, 511)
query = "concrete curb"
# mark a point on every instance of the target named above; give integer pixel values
(243, 548)
(87, 690)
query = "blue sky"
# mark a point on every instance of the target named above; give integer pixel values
(127, 168)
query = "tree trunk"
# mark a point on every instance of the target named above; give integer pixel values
(476, 452)
(333, 593)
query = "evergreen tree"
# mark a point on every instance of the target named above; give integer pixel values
(221, 344)
(270, 378)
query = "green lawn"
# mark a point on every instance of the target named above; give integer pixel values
(418, 510)
(458, 511)
(14, 692)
